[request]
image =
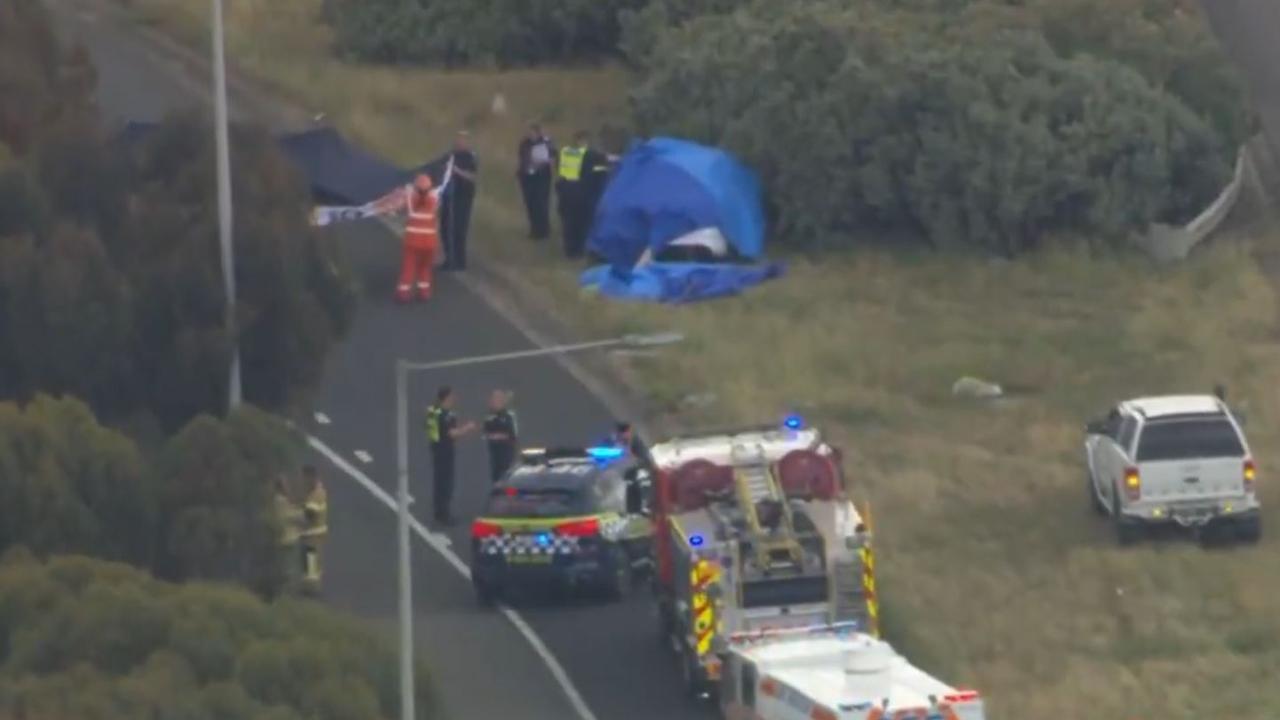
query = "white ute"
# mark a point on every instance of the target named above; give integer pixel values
(829, 672)
(1175, 458)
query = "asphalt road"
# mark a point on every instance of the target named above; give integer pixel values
(483, 667)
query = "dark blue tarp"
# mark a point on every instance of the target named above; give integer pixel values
(678, 282)
(666, 188)
(340, 173)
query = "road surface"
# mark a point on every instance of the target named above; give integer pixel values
(483, 667)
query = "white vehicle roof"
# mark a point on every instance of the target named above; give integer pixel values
(1163, 405)
(719, 449)
(847, 672)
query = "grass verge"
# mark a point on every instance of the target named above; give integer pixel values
(996, 572)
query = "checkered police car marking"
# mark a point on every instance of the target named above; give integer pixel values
(529, 545)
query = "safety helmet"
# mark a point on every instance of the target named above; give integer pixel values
(422, 182)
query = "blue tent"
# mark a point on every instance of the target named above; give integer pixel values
(665, 189)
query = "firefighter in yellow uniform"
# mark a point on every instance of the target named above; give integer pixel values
(291, 519)
(316, 510)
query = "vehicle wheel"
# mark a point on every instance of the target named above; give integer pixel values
(618, 583)
(1094, 499)
(691, 677)
(1250, 530)
(486, 594)
(1127, 531)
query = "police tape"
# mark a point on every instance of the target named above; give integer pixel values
(388, 204)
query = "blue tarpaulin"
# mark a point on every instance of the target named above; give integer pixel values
(665, 189)
(339, 173)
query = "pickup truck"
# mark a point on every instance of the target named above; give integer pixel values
(1172, 459)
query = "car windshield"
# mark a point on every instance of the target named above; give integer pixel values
(1187, 439)
(543, 502)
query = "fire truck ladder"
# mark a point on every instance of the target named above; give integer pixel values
(774, 549)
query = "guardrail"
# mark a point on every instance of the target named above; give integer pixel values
(1167, 243)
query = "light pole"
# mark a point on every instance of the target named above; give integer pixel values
(403, 368)
(224, 199)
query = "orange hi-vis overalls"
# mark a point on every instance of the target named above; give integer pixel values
(421, 243)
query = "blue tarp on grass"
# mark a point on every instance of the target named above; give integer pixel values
(678, 282)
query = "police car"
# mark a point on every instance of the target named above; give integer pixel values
(564, 519)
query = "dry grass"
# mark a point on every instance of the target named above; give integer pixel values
(996, 572)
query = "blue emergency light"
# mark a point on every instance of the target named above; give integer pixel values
(793, 422)
(695, 540)
(543, 539)
(605, 453)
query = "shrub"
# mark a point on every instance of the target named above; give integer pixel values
(862, 117)
(453, 32)
(98, 641)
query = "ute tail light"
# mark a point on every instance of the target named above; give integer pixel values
(1132, 483)
(960, 696)
(1250, 476)
(481, 529)
(579, 528)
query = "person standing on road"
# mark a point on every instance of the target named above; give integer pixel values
(625, 437)
(537, 154)
(421, 241)
(443, 431)
(456, 218)
(501, 434)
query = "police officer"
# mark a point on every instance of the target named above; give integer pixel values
(624, 436)
(455, 216)
(501, 435)
(580, 176)
(442, 431)
(316, 529)
(537, 158)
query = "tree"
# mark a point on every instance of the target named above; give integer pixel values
(875, 118)
(215, 499)
(69, 485)
(98, 641)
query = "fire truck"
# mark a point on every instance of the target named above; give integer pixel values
(833, 672)
(753, 530)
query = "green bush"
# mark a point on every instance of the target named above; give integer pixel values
(859, 117)
(454, 32)
(202, 510)
(97, 641)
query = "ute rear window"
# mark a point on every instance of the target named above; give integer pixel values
(1187, 439)
(537, 503)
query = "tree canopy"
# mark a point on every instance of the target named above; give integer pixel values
(110, 274)
(201, 510)
(866, 117)
(94, 640)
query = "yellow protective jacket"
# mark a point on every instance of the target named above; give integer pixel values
(317, 513)
(291, 520)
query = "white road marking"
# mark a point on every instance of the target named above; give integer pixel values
(363, 457)
(441, 544)
(322, 418)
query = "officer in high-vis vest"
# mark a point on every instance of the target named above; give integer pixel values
(442, 430)
(421, 241)
(579, 177)
(316, 527)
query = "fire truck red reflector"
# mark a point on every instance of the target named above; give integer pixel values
(961, 696)
(481, 529)
(579, 528)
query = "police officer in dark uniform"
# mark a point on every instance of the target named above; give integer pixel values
(624, 436)
(455, 215)
(581, 175)
(442, 432)
(501, 434)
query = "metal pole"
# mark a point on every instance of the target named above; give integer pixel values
(406, 580)
(518, 354)
(224, 200)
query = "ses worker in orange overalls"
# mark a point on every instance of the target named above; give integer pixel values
(421, 241)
